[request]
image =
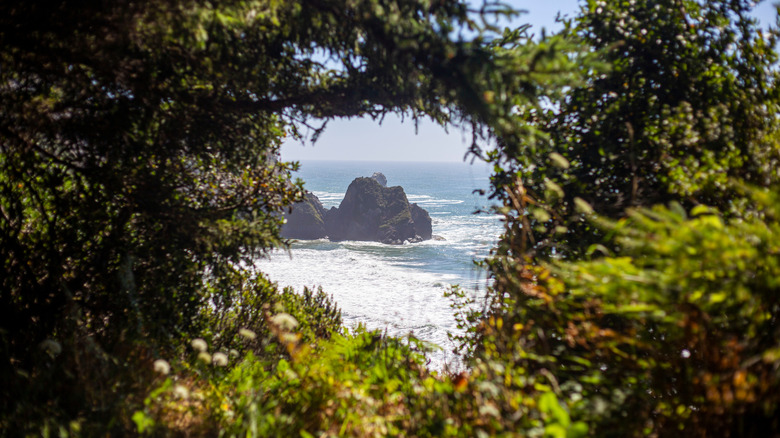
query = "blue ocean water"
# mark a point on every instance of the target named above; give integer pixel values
(398, 288)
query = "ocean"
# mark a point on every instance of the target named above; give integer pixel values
(398, 288)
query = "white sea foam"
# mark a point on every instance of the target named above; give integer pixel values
(329, 199)
(374, 284)
(427, 201)
(389, 287)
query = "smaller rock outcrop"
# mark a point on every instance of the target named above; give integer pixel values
(380, 178)
(306, 221)
(423, 226)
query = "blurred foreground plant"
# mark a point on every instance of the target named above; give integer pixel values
(677, 331)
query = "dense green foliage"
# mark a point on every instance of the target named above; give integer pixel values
(678, 331)
(138, 177)
(685, 104)
(638, 275)
(634, 289)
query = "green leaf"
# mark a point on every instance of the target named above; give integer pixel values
(143, 422)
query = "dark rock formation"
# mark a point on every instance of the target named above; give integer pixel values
(423, 226)
(369, 211)
(306, 220)
(380, 178)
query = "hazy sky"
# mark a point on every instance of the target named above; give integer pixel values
(365, 140)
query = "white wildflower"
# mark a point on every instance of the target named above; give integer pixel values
(181, 392)
(234, 352)
(284, 321)
(249, 334)
(199, 345)
(220, 359)
(162, 366)
(205, 357)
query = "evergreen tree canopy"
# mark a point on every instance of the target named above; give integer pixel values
(686, 104)
(634, 289)
(637, 276)
(138, 166)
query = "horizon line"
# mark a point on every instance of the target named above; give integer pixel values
(468, 161)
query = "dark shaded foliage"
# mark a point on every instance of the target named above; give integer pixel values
(138, 167)
(685, 105)
(637, 277)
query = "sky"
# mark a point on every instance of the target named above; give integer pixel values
(361, 139)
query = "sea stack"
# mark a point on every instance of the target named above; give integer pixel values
(306, 221)
(370, 211)
(380, 178)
